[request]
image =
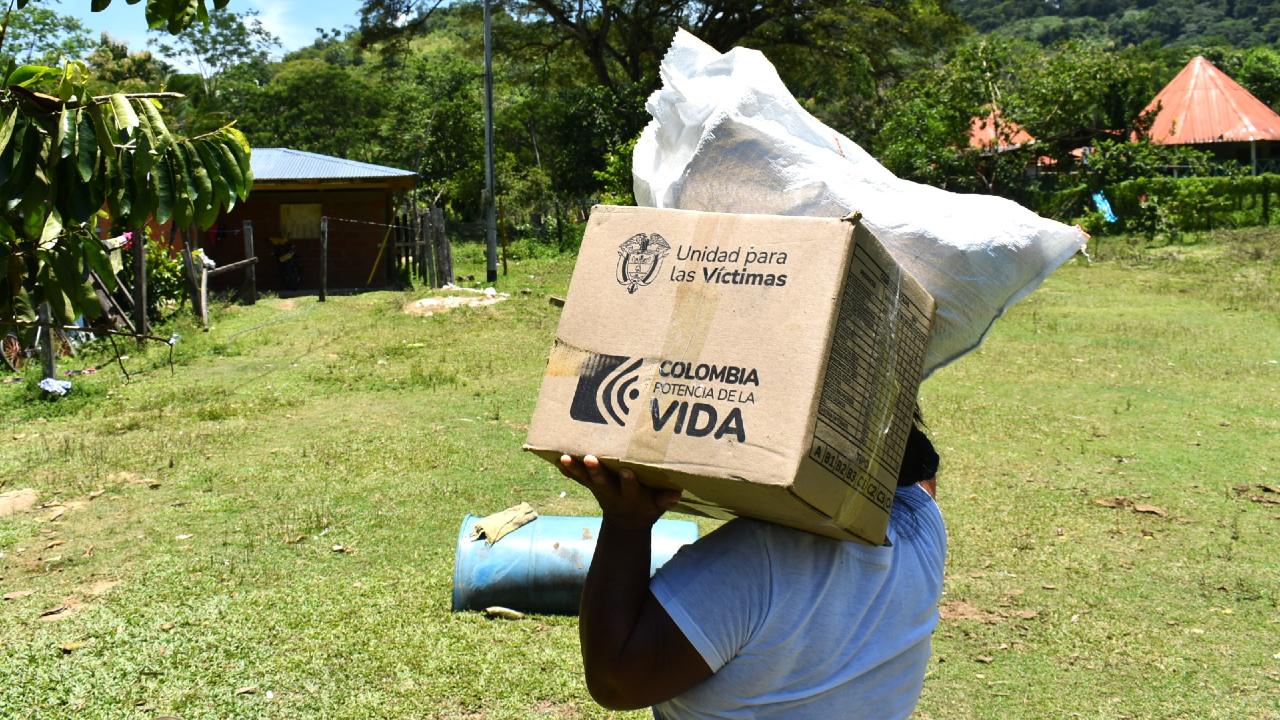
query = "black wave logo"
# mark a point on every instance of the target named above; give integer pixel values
(607, 386)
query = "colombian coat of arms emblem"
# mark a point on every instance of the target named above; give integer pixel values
(639, 259)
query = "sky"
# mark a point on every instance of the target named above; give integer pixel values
(293, 21)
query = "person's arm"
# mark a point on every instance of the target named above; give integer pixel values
(633, 654)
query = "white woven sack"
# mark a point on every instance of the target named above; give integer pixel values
(727, 136)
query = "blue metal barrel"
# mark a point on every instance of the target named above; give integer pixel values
(542, 566)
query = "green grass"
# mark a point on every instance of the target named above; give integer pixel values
(207, 565)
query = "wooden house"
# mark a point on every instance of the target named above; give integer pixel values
(292, 191)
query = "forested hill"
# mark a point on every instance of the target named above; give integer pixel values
(1242, 23)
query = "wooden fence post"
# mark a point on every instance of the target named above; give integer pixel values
(251, 272)
(324, 258)
(406, 243)
(44, 318)
(140, 284)
(425, 232)
(392, 262)
(189, 275)
(444, 256)
(192, 276)
(204, 294)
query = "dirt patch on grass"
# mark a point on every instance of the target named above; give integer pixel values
(17, 501)
(428, 306)
(285, 304)
(953, 610)
(126, 477)
(100, 588)
(557, 710)
(65, 609)
(959, 610)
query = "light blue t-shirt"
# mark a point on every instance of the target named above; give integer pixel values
(797, 626)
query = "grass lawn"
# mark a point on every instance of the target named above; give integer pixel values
(1106, 456)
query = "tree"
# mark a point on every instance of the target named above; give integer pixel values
(113, 67)
(65, 153)
(841, 62)
(39, 35)
(1081, 92)
(392, 22)
(621, 43)
(434, 124)
(1257, 69)
(312, 105)
(227, 40)
(624, 42)
(1128, 22)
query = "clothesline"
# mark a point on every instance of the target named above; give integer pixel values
(407, 228)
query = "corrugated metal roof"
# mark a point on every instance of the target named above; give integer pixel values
(1203, 105)
(285, 164)
(982, 133)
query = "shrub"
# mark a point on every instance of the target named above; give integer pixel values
(1168, 206)
(166, 287)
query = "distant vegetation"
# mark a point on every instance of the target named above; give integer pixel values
(1243, 23)
(402, 86)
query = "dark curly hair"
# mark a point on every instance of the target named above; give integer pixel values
(920, 461)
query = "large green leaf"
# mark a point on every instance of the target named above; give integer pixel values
(75, 75)
(223, 196)
(75, 198)
(142, 182)
(6, 130)
(95, 256)
(104, 132)
(161, 137)
(80, 300)
(103, 128)
(184, 13)
(206, 204)
(183, 191)
(230, 168)
(144, 156)
(240, 148)
(120, 192)
(28, 75)
(24, 162)
(35, 195)
(158, 13)
(144, 149)
(125, 118)
(49, 289)
(8, 157)
(145, 200)
(51, 230)
(66, 133)
(86, 147)
(163, 175)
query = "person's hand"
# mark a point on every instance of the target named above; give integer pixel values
(622, 498)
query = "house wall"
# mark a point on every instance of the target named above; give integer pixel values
(1268, 153)
(353, 247)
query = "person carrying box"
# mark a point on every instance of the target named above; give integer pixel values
(758, 620)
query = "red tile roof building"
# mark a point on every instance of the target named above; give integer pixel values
(1203, 105)
(983, 133)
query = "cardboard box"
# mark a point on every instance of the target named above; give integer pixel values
(766, 365)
